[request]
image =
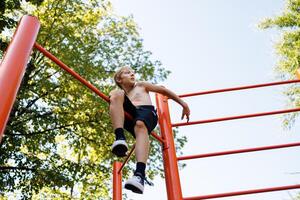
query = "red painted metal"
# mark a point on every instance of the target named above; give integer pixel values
(71, 71)
(242, 87)
(157, 137)
(239, 151)
(117, 181)
(12, 69)
(236, 117)
(13, 65)
(169, 152)
(127, 158)
(245, 192)
(18, 54)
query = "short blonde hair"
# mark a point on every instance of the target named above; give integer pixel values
(119, 73)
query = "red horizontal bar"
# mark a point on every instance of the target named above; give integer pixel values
(70, 71)
(239, 88)
(236, 117)
(239, 151)
(229, 194)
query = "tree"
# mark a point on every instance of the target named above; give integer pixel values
(288, 50)
(7, 21)
(58, 137)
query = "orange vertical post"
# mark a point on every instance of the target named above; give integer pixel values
(169, 152)
(117, 181)
(13, 65)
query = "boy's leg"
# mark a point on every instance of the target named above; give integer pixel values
(142, 142)
(116, 112)
(136, 184)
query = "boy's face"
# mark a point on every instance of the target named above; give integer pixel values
(127, 77)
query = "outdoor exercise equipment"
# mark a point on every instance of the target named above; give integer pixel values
(12, 69)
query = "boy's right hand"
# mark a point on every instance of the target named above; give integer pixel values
(185, 111)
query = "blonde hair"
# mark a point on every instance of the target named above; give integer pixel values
(118, 75)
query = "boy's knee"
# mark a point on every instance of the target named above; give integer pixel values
(140, 125)
(116, 95)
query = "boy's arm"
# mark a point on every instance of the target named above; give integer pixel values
(164, 91)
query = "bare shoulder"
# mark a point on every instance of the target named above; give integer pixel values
(152, 87)
(116, 91)
(143, 84)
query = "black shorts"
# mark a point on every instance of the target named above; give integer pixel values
(145, 113)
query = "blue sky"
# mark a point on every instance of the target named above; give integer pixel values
(210, 44)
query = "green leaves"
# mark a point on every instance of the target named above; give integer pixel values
(8, 18)
(288, 50)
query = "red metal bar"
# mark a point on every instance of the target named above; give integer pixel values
(13, 65)
(70, 71)
(133, 147)
(169, 152)
(127, 158)
(157, 137)
(117, 181)
(236, 117)
(241, 88)
(239, 151)
(245, 192)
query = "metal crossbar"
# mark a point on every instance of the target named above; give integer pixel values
(239, 151)
(240, 88)
(170, 160)
(236, 117)
(244, 192)
(12, 69)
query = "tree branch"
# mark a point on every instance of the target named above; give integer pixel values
(52, 129)
(4, 168)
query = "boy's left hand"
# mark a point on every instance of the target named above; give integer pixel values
(185, 111)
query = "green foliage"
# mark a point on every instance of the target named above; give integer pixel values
(58, 138)
(288, 50)
(8, 21)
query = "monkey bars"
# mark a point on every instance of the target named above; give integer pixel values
(12, 70)
(170, 159)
